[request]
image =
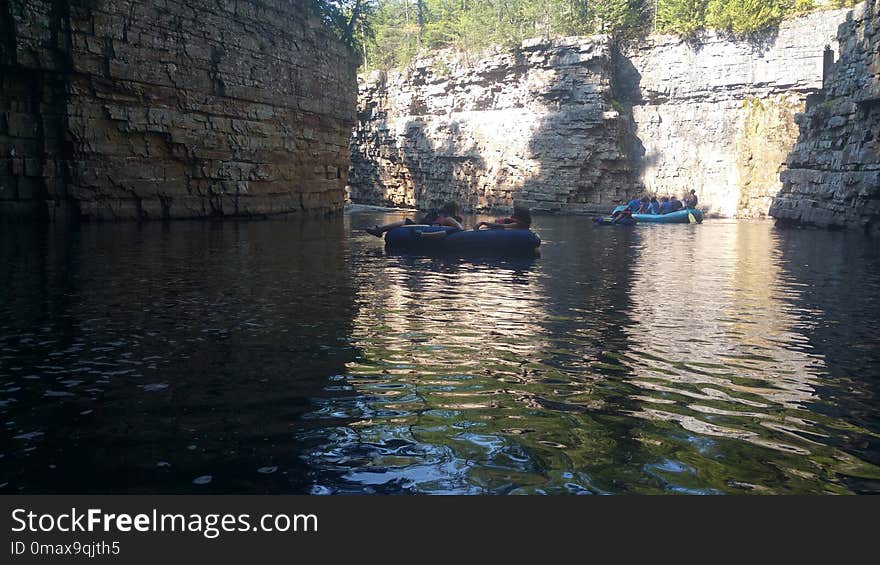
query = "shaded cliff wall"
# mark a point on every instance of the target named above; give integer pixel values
(578, 123)
(536, 126)
(33, 65)
(144, 109)
(833, 179)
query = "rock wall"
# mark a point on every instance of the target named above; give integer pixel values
(536, 126)
(717, 114)
(833, 179)
(32, 107)
(576, 124)
(144, 109)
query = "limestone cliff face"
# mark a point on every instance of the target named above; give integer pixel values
(144, 109)
(717, 114)
(536, 126)
(833, 178)
(577, 124)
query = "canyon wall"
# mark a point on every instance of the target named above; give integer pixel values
(833, 179)
(536, 126)
(145, 109)
(577, 124)
(717, 115)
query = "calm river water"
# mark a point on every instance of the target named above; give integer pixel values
(285, 356)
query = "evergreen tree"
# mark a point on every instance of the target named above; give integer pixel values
(400, 28)
(683, 17)
(745, 16)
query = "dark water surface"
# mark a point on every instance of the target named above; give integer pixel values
(298, 357)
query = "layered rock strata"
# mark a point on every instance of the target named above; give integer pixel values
(537, 126)
(145, 109)
(716, 114)
(833, 176)
(574, 125)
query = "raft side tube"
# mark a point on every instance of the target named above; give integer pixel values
(677, 217)
(492, 241)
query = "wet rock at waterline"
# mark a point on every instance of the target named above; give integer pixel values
(833, 178)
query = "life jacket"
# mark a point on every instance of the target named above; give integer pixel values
(514, 222)
(433, 218)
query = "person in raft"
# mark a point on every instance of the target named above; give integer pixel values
(521, 219)
(675, 204)
(624, 216)
(634, 205)
(449, 215)
(690, 200)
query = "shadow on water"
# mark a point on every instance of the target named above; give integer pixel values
(138, 358)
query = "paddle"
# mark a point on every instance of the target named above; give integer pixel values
(691, 218)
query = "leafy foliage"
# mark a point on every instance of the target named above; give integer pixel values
(684, 17)
(351, 20)
(392, 32)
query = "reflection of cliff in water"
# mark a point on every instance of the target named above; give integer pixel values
(473, 376)
(442, 342)
(843, 324)
(722, 352)
(137, 358)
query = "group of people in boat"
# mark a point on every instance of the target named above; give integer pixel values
(650, 204)
(449, 215)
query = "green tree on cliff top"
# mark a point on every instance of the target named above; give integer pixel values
(684, 17)
(404, 27)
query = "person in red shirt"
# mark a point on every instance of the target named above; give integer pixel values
(521, 219)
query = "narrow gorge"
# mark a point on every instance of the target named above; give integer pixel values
(574, 125)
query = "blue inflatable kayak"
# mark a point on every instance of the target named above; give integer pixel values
(489, 242)
(677, 217)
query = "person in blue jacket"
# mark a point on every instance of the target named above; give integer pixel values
(654, 206)
(675, 204)
(665, 206)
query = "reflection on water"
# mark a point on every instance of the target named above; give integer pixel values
(291, 356)
(140, 359)
(729, 359)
